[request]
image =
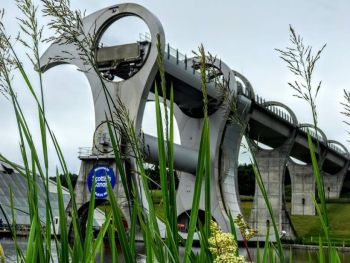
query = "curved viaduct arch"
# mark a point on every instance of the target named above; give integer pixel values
(292, 115)
(308, 125)
(247, 84)
(342, 146)
(280, 104)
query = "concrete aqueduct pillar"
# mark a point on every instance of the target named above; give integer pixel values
(303, 188)
(333, 183)
(272, 165)
(303, 179)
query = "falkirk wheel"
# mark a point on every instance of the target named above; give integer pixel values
(135, 66)
(140, 71)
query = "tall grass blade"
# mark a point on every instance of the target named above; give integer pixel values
(133, 230)
(172, 189)
(102, 252)
(266, 245)
(112, 244)
(320, 186)
(96, 247)
(63, 254)
(31, 251)
(12, 227)
(290, 255)
(117, 216)
(162, 157)
(321, 255)
(257, 255)
(233, 230)
(334, 256)
(89, 225)
(168, 192)
(197, 191)
(118, 161)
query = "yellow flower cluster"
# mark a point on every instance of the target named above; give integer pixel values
(246, 231)
(223, 246)
(2, 254)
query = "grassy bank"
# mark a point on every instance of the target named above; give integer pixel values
(309, 228)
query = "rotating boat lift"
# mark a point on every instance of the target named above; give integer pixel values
(135, 65)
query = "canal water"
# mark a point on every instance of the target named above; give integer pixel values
(299, 255)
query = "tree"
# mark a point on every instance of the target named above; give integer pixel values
(73, 178)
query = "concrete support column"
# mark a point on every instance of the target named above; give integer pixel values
(272, 164)
(333, 183)
(303, 188)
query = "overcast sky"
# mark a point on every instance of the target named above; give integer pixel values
(241, 33)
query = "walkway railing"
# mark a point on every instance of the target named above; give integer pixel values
(274, 109)
(337, 149)
(313, 134)
(169, 51)
(85, 152)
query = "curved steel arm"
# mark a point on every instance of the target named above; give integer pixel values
(95, 24)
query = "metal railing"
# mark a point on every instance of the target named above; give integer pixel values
(313, 134)
(170, 52)
(274, 109)
(242, 89)
(85, 152)
(337, 149)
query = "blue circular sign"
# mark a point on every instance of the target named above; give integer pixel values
(100, 174)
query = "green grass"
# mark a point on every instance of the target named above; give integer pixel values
(305, 226)
(310, 226)
(246, 207)
(157, 196)
(338, 213)
(247, 197)
(158, 203)
(159, 210)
